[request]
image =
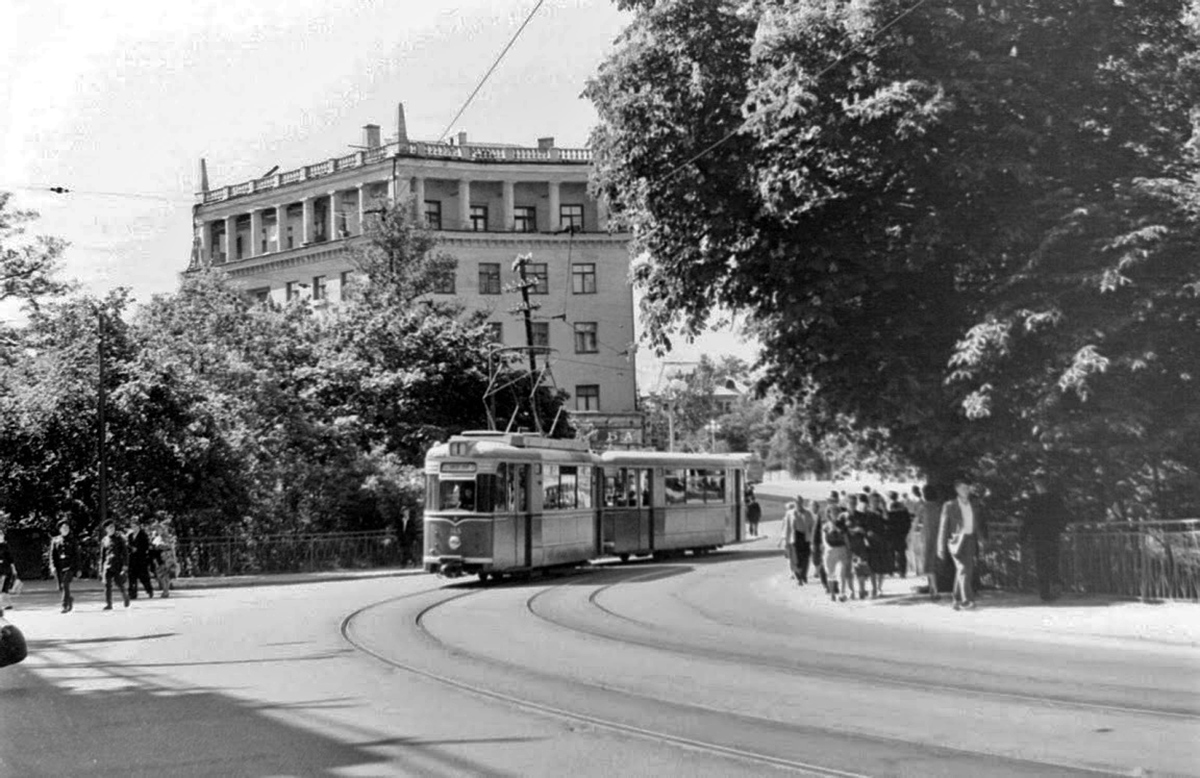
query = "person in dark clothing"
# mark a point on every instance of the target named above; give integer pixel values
(114, 556)
(64, 562)
(1045, 518)
(753, 516)
(899, 522)
(139, 560)
(8, 574)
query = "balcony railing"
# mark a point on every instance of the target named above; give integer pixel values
(466, 153)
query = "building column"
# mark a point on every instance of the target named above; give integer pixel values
(230, 238)
(418, 189)
(464, 204)
(553, 197)
(308, 227)
(362, 227)
(256, 232)
(332, 226)
(280, 227)
(506, 194)
(205, 242)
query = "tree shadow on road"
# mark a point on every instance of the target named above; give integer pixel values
(142, 727)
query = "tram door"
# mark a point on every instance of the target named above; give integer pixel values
(738, 503)
(523, 518)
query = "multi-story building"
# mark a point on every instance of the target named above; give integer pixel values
(287, 235)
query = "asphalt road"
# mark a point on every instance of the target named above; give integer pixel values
(701, 666)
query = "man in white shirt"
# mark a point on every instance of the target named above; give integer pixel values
(962, 523)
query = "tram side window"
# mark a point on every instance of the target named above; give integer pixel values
(714, 486)
(431, 492)
(584, 498)
(456, 496)
(567, 482)
(550, 488)
(614, 488)
(675, 485)
(695, 486)
(486, 493)
(500, 488)
(641, 482)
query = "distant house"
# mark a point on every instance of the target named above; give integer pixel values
(727, 394)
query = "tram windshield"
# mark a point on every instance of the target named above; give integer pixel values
(456, 496)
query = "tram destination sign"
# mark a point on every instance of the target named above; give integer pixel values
(458, 467)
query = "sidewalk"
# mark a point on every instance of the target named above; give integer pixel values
(1089, 619)
(43, 592)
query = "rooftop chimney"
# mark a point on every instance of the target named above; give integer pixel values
(545, 144)
(371, 136)
(462, 139)
(401, 127)
(203, 175)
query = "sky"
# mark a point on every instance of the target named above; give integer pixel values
(119, 100)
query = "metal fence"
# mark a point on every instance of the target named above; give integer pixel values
(217, 556)
(1154, 560)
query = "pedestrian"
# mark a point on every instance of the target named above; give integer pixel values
(1045, 519)
(929, 515)
(8, 574)
(857, 539)
(818, 544)
(899, 523)
(962, 525)
(753, 515)
(64, 562)
(162, 552)
(139, 559)
(114, 556)
(787, 538)
(837, 557)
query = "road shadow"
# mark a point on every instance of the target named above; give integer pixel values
(143, 727)
(999, 599)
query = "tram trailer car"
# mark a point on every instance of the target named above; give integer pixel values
(500, 503)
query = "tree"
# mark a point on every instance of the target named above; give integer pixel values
(968, 226)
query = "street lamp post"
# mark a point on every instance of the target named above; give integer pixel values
(102, 453)
(713, 428)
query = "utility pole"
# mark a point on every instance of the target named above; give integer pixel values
(103, 443)
(526, 309)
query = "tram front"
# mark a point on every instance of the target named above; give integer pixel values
(460, 487)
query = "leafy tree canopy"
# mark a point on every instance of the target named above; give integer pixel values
(971, 225)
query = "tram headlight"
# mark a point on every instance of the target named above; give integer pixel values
(455, 542)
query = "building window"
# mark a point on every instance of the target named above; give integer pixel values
(537, 271)
(319, 288)
(260, 295)
(343, 284)
(571, 217)
(497, 331)
(292, 291)
(443, 283)
(585, 337)
(479, 221)
(433, 214)
(237, 247)
(525, 218)
(541, 334)
(583, 278)
(489, 278)
(587, 397)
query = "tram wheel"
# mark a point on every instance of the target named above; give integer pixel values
(483, 577)
(624, 558)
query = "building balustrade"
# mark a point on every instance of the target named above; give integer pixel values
(406, 149)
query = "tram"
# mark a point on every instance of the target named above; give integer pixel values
(500, 503)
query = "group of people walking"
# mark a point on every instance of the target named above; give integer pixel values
(143, 555)
(854, 541)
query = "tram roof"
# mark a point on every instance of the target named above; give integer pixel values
(669, 458)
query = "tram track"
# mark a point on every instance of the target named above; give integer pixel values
(680, 711)
(857, 675)
(521, 703)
